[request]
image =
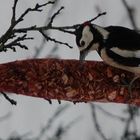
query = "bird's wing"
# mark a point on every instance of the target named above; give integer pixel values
(123, 46)
(123, 38)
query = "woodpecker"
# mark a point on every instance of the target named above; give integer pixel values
(117, 46)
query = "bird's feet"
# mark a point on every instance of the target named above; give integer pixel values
(130, 86)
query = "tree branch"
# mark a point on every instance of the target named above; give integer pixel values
(11, 34)
(37, 8)
(97, 125)
(13, 102)
(68, 80)
(54, 40)
(54, 15)
(14, 12)
(11, 38)
(130, 12)
(65, 29)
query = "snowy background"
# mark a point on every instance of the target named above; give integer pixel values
(32, 114)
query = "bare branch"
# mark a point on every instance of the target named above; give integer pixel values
(14, 12)
(19, 39)
(77, 25)
(114, 116)
(66, 29)
(13, 33)
(100, 14)
(37, 8)
(13, 102)
(54, 40)
(20, 45)
(43, 44)
(55, 14)
(95, 120)
(130, 12)
(10, 33)
(50, 122)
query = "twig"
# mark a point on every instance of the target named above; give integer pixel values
(63, 129)
(123, 119)
(37, 8)
(50, 122)
(14, 12)
(10, 33)
(98, 128)
(132, 110)
(16, 42)
(13, 33)
(13, 102)
(65, 29)
(130, 12)
(100, 14)
(128, 133)
(54, 15)
(77, 25)
(16, 136)
(39, 49)
(54, 40)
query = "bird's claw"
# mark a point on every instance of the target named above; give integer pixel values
(130, 86)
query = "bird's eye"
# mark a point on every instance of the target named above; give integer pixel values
(82, 43)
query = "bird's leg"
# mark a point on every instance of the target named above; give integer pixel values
(130, 86)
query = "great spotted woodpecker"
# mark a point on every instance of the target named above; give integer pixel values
(117, 46)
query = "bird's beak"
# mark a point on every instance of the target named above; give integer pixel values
(83, 55)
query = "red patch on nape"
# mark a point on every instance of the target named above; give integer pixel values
(86, 23)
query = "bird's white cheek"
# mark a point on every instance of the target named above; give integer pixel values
(87, 37)
(90, 38)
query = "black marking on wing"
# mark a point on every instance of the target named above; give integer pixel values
(127, 61)
(123, 38)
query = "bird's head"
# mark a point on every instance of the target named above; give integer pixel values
(87, 38)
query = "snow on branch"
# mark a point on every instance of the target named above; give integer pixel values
(69, 80)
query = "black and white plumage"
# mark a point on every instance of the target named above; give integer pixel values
(117, 46)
